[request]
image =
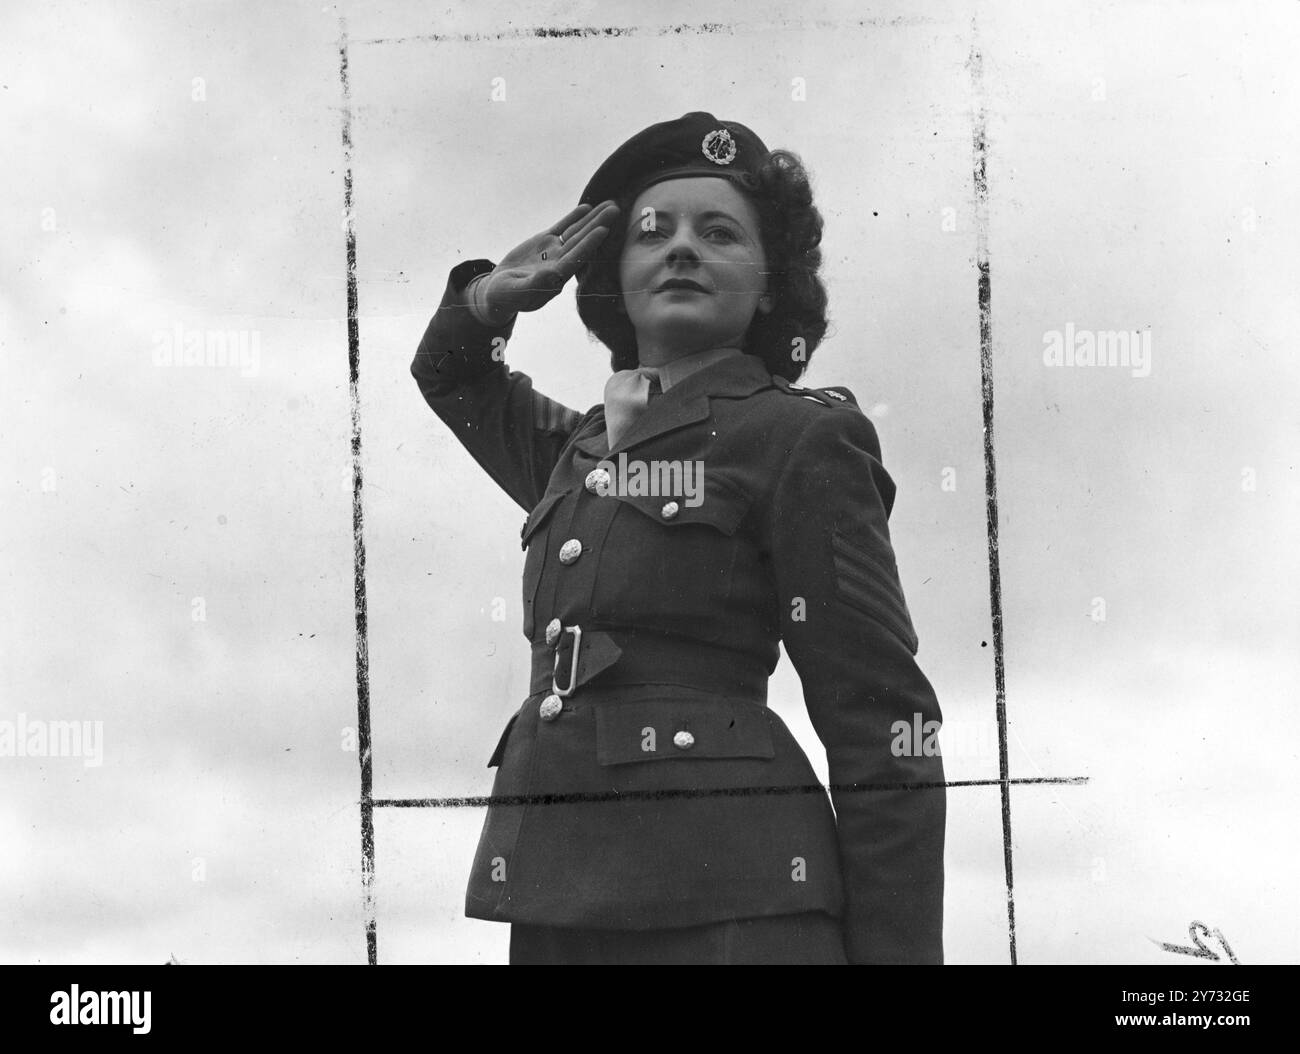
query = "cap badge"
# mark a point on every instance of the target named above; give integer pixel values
(719, 147)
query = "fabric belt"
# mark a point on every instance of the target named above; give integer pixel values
(605, 658)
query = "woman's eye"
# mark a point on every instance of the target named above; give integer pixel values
(725, 233)
(646, 235)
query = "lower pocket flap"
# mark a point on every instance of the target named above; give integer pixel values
(497, 754)
(667, 728)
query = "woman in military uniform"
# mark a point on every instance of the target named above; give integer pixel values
(648, 806)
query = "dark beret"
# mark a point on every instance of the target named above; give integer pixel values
(696, 144)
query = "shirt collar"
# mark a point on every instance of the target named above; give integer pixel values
(676, 371)
(725, 375)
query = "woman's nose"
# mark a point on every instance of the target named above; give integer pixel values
(682, 249)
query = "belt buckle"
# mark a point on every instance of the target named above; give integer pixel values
(564, 693)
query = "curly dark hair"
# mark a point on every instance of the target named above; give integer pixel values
(791, 231)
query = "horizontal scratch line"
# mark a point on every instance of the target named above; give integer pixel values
(481, 801)
(614, 32)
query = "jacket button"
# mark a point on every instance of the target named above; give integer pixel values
(683, 741)
(670, 510)
(597, 481)
(570, 551)
(553, 629)
(550, 708)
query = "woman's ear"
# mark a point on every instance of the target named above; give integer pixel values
(765, 304)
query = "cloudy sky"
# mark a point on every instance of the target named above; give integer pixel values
(178, 550)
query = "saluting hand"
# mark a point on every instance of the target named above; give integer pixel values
(532, 274)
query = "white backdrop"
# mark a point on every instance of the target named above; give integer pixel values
(178, 554)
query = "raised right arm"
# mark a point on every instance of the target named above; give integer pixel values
(514, 432)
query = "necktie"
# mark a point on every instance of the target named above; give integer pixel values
(627, 393)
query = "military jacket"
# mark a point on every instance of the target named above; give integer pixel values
(644, 782)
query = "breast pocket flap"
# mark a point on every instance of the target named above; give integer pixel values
(538, 516)
(716, 504)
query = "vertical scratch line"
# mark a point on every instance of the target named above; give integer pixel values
(990, 468)
(358, 535)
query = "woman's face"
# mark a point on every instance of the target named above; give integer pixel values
(692, 268)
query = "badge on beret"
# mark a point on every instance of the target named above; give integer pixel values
(719, 147)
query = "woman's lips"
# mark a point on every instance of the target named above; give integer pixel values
(680, 289)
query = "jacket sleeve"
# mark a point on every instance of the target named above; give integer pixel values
(514, 432)
(848, 633)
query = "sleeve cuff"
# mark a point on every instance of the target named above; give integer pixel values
(457, 348)
(464, 273)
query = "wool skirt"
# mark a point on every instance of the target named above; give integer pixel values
(807, 939)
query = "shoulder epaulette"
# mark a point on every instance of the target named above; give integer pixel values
(833, 396)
